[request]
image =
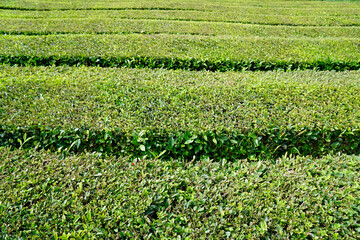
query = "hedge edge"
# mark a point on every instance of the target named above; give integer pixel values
(175, 63)
(269, 144)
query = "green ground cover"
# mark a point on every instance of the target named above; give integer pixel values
(46, 196)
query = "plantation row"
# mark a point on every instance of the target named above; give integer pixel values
(214, 49)
(204, 5)
(137, 112)
(148, 149)
(234, 11)
(226, 16)
(128, 26)
(138, 99)
(86, 196)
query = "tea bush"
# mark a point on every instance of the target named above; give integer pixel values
(85, 196)
(221, 115)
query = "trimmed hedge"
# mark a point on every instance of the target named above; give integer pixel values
(50, 197)
(280, 8)
(269, 17)
(47, 26)
(220, 53)
(222, 115)
(144, 99)
(134, 121)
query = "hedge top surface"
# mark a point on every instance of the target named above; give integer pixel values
(271, 49)
(301, 13)
(177, 4)
(133, 99)
(46, 196)
(46, 26)
(295, 18)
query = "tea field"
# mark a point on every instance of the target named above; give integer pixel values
(179, 119)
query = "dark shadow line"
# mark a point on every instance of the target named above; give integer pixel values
(29, 33)
(94, 9)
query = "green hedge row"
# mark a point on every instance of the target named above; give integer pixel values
(270, 16)
(46, 26)
(47, 196)
(162, 100)
(249, 113)
(174, 63)
(168, 49)
(266, 8)
(269, 144)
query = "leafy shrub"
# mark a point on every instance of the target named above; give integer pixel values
(213, 53)
(84, 196)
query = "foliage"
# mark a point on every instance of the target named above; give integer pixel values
(191, 64)
(143, 99)
(188, 52)
(222, 20)
(84, 196)
(268, 12)
(237, 115)
(76, 25)
(269, 144)
(120, 153)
